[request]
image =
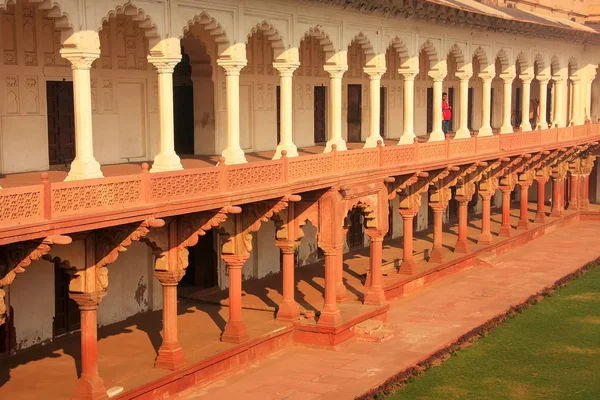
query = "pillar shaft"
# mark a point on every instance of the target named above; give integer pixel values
(408, 134)
(557, 197)
(486, 232)
(437, 253)
(506, 106)
(288, 309)
(341, 293)
(436, 131)
(286, 107)
(560, 108)
(330, 315)
(84, 166)
(574, 192)
(462, 243)
(584, 202)
(526, 98)
(166, 159)
(543, 103)
(335, 108)
(170, 354)
(375, 107)
(463, 120)
(505, 228)
(235, 329)
(375, 295)
(233, 153)
(486, 125)
(524, 202)
(408, 265)
(576, 118)
(540, 215)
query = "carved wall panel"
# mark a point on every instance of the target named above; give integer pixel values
(31, 104)
(356, 62)
(392, 63)
(11, 97)
(260, 56)
(29, 36)
(51, 43)
(94, 86)
(108, 96)
(122, 39)
(312, 58)
(9, 36)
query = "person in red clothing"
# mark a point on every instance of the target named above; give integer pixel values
(446, 113)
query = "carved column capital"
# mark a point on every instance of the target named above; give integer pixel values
(80, 59)
(486, 77)
(88, 301)
(408, 75)
(463, 76)
(169, 278)
(336, 71)
(375, 73)
(437, 76)
(286, 69)
(165, 65)
(232, 67)
(235, 261)
(375, 235)
(543, 79)
(408, 213)
(508, 79)
(287, 246)
(526, 79)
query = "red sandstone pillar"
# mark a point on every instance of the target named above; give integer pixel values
(408, 262)
(540, 215)
(558, 196)
(375, 295)
(170, 355)
(486, 214)
(574, 193)
(524, 215)
(288, 309)
(330, 315)
(462, 243)
(505, 228)
(341, 294)
(437, 255)
(235, 329)
(584, 202)
(89, 386)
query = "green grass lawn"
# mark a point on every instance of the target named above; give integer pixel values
(550, 351)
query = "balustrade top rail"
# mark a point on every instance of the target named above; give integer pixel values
(52, 201)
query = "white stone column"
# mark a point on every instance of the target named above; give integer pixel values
(560, 108)
(576, 118)
(525, 100)
(543, 101)
(436, 127)
(486, 104)
(336, 72)
(375, 75)
(84, 166)
(233, 153)
(408, 135)
(588, 97)
(166, 159)
(507, 105)
(463, 118)
(286, 73)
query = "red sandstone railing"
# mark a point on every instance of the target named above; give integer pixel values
(50, 201)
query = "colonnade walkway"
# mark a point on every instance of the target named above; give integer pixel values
(422, 322)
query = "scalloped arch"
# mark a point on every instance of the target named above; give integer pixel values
(430, 50)
(211, 25)
(137, 14)
(397, 43)
(319, 34)
(555, 65)
(482, 57)
(273, 37)
(55, 11)
(364, 43)
(522, 61)
(458, 54)
(504, 60)
(540, 61)
(573, 65)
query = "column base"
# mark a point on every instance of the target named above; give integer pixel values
(288, 311)
(437, 136)
(407, 138)
(485, 239)
(506, 129)
(437, 256)
(90, 388)
(341, 293)
(331, 318)
(234, 155)
(523, 224)
(526, 127)
(166, 162)
(408, 267)
(80, 169)
(375, 296)
(462, 134)
(372, 142)
(585, 204)
(170, 356)
(485, 131)
(556, 214)
(291, 150)
(339, 143)
(505, 231)
(462, 246)
(540, 218)
(235, 332)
